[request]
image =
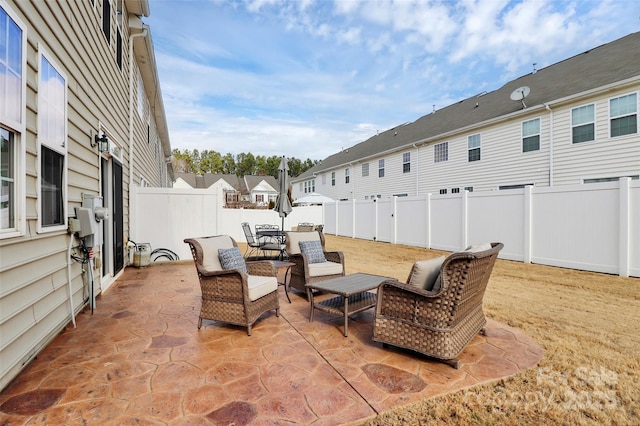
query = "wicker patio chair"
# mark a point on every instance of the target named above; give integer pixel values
(232, 295)
(438, 323)
(304, 271)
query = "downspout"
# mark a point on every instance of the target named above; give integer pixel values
(550, 144)
(417, 171)
(131, 98)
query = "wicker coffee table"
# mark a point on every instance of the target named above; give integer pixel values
(352, 295)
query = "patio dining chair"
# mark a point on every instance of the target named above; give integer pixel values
(233, 291)
(438, 311)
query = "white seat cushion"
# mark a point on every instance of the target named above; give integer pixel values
(324, 268)
(260, 286)
(479, 247)
(294, 238)
(210, 247)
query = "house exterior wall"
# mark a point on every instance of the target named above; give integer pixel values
(36, 274)
(558, 161)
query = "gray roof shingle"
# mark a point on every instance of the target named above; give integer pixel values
(607, 64)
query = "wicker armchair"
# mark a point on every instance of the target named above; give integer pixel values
(231, 295)
(440, 323)
(303, 272)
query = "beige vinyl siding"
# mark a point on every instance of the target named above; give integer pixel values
(603, 157)
(395, 180)
(34, 295)
(502, 161)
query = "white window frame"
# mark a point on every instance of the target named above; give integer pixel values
(627, 114)
(365, 169)
(107, 35)
(406, 162)
(18, 128)
(441, 152)
(333, 178)
(539, 134)
(59, 147)
(347, 176)
(381, 168)
(575, 125)
(472, 145)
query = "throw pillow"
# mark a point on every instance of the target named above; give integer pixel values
(425, 273)
(232, 259)
(313, 251)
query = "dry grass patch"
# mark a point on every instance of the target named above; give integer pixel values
(586, 323)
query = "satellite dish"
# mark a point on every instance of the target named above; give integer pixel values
(519, 94)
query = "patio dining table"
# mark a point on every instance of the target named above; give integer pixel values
(275, 234)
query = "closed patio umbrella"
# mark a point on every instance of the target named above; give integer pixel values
(283, 206)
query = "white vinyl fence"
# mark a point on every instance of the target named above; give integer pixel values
(593, 227)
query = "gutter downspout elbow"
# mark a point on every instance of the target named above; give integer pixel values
(548, 108)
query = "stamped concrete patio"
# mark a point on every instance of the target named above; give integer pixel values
(140, 359)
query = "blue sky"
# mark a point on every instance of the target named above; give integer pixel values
(307, 78)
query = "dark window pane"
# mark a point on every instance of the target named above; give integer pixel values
(474, 154)
(51, 187)
(624, 125)
(532, 143)
(583, 133)
(106, 20)
(119, 49)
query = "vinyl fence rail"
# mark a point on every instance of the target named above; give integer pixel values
(593, 227)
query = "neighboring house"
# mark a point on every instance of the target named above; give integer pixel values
(577, 124)
(81, 123)
(262, 189)
(239, 191)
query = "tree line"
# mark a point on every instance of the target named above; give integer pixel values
(210, 161)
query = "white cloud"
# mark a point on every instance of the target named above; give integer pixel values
(305, 78)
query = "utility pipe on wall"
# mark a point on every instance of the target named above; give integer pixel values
(131, 98)
(550, 144)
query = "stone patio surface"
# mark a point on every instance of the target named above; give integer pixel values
(140, 359)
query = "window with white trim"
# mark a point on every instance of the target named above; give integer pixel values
(106, 19)
(324, 178)
(583, 124)
(365, 169)
(346, 175)
(443, 191)
(473, 146)
(623, 115)
(381, 168)
(455, 190)
(13, 41)
(333, 178)
(531, 135)
(119, 14)
(52, 140)
(441, 152)
(406, 162)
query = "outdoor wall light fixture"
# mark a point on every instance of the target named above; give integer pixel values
(102, 142)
